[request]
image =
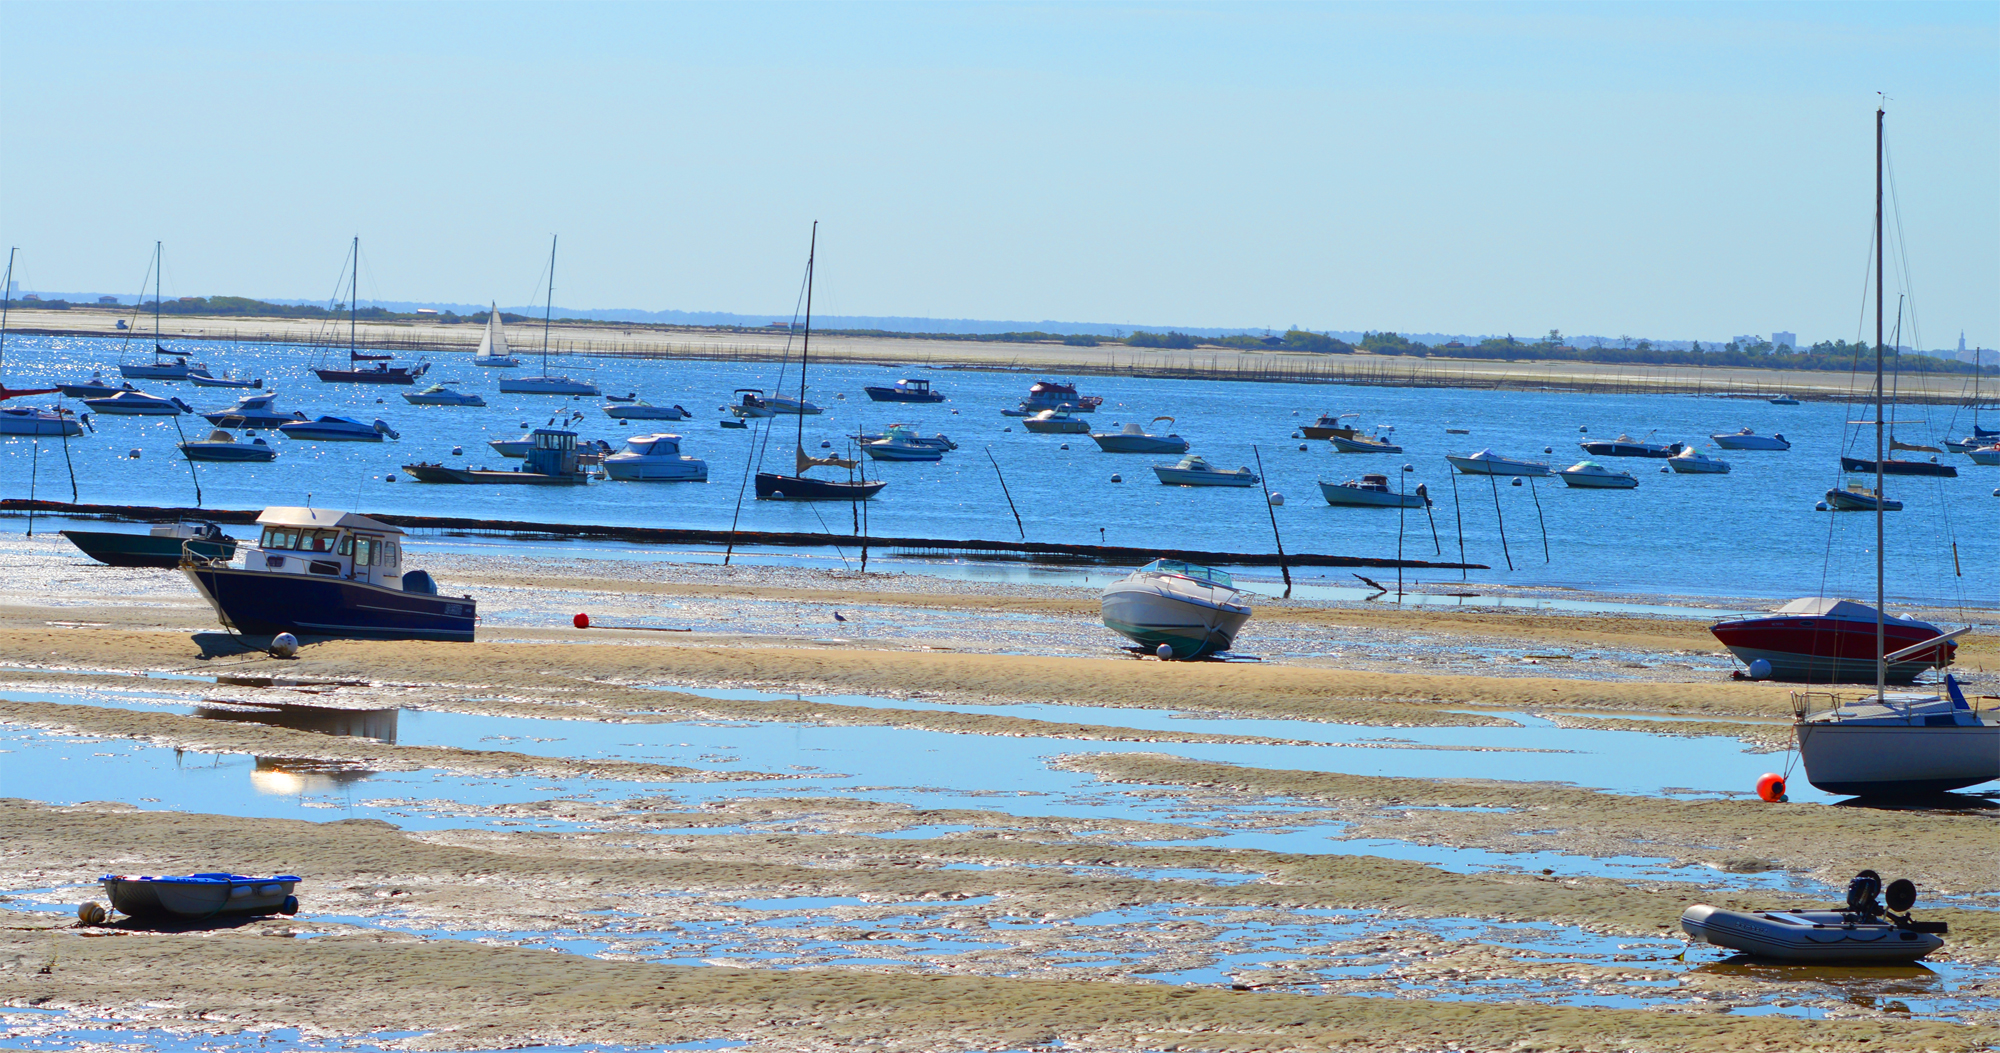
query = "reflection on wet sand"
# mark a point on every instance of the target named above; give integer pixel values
(378, 724)
(291, 776)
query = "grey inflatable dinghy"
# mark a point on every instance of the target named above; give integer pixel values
(1864, 932)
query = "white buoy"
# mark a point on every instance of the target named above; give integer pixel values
(1165, 651)
(1278, 499)
(284, 645)
(1760, 670)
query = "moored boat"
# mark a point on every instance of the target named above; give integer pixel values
(1176, 609)
(493, 343)
(1895, 466)
(654, 459)
(777, 486)
(1328, 426)
(632, 409)
(440, 395)
(1694, 462)
(1895, 744)
(1486, 462)
(222, 446)
(1056, 395)
(338, 429)
(1862, 934)
(1193, 470)
(1372, 491)
(160, 546)
(1055, 422)
(1858, 496)
(909, 389)
(1132, 438)
(1627, 446)
(1745, 439)
(901, 443)
(137, 404)
(36, 420)
(552, 459)
(1589, 475)
(253, 411)
(1377, 443)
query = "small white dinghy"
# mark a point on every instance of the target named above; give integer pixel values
(1863, 933)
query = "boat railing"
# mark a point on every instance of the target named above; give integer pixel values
(1803, 707)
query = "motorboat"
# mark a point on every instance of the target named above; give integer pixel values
(204, 380)
(553, 459)
(1134, 439)
(798, 406)
(493, 343)
(1894, 466)
(751, 405)
(1372, 491)
(1056, 395)
(1486, 462)
(162, 546)
(1176, 609)
(1745, 439)
(909, 389)
(253, 411)
(1858, 496)
(1328, 426)
(546, 384)
(513, 447)
(630, 396)
(1863, 933)
(94, 388)
(1055, 422)
(222, 446)
(1691, 461)
(939, 441)
(654, 459)
(200, 895)
(901, 443)
(440, 395)
(1985, 454)
(1895, 744)
(635, 410)
(34, 420)
(798, 486)
(1817, 639)
(1627, 446)
(319, 572)
(137, 404)
(1194, 471)
(339, 429)
(1784, 400)
(1590, 475)
(1357, 443)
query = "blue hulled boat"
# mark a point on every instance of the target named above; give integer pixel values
(317, 572)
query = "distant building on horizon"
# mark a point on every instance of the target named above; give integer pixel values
(1785, 340)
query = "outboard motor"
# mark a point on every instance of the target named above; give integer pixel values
(1862, 893)
(382, 427)
(184, 407)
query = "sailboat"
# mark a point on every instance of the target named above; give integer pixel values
(26, 420)
(1980, 437)
(167, 364)
(798, 487)
(547, 383)
(1905, 743)
(493, 346)
(381, 372)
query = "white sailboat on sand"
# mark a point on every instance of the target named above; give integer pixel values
(493, 345)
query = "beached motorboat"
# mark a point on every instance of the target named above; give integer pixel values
(440, 395)
(909, 389)
(552, 458)
(1858, 496)
(1372, 491)
(1328, 426)
(629, 409)
(654, 459)
(798, 486)
(137, 404)
(1134, 439)
(160, 546)
(1818, 639)
(1486, 462)
(1188, 610)
(318, 572)
(37, 420)
(1377, 443)
(1862, 933)
(338, 429)
(901, 443)
(201, 895)
(253, 411)
(1590, 475)
(1056, 395)
(1895, 744)
(1627, 446)
(1194, 471)
(222, 446)
(1746, 439)
(1055, 422)
(1895, 466)
(493, 343)
(1694, 462)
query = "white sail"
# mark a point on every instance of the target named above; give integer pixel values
(493, 345)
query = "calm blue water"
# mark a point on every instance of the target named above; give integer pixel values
(1752, 533)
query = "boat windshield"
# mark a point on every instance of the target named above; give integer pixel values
(1189, 570)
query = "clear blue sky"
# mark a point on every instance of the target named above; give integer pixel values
(1665, 170)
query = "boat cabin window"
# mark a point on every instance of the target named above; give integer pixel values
(555, 440)
(392, 553)
(299, 539)
(1189, 570)
(365, 550)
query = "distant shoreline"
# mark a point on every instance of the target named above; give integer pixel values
(629, 340)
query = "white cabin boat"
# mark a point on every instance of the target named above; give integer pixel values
(1372, 491)
(1691, 461)
(137, 404)
(1486, 462)
(644, 411)
(1194, 471)
(654, 459)
(1055, 422)
(1176, 609)
(901, 443)
(440, 395)
(222, 446)
(1134, 439)
(1745, 439)
(1590, 475)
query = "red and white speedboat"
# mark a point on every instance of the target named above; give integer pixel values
(1822, 640)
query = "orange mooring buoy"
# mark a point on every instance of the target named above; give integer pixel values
(582, 621)
(1770, 787)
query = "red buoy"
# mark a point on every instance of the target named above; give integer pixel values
(1771, 787)
(582, 621)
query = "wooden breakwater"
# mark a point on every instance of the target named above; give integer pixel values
(1025, 551)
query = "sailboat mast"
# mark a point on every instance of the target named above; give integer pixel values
(353, 289)
(7, 299)
(805, 348)
(1881, 632)
(156, 300)
(549, 305)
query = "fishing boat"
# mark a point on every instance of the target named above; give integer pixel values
(1486, 462)
(1627, 446)
(1694, 462)
(909, 389)
(1376, 443)
(1192, 470)
(1328, 426)
(1055, 422)
(628, 409)
(553, 459)
(222, 446)
(27, 420)
(1056, 395)
(1864, 933)
(548, 383)
(493, 343)
(318, 572)
(1858, 496)
(203, 380)
(654, 459)
(201, 895)
(1745, 439)
(1372, 491)
(901, 443)
(1134, 439)
(379, 373)
(776, 486)
(440, 395)
(1590, 475)
(1819, 639)
(161, 546)
(338, 429)
(137, 404)
(1176, 609)
(253, 411)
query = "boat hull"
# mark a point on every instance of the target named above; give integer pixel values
(645, 412)
(1892, 466)
(1183, 477)
(38, 424)
(259, 603)
(369, 376)
(1356, 497)
(201, 895)
(1750, 442)
(1690, 466)
(903, 453)
(227, 451)
(1849, 501)
(1892, 760)
(901, 395)
(1599, 482)
(437, 473)
(1118, 443)
(546, 386)
(1057, 427)
(1478, 466)
(1612, 448)
(436, 400)
(312, 434)
(202, 381)
(1150, 617)
(1829, 650)
(772, 487)
(1806, 936)
(117, 549)
(1346, 444)
(684, 470)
